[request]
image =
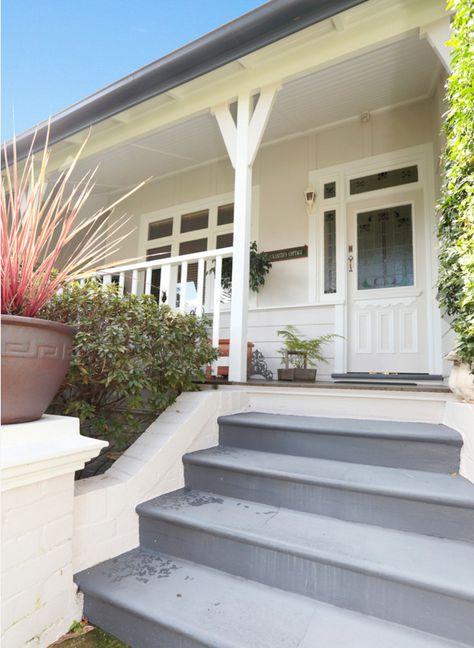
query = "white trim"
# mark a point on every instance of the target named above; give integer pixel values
(423, 156)
(438, 33)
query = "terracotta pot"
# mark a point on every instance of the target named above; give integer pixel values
(35, 358)
(461, 380)
(224, 349)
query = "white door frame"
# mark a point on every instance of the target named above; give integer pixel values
(423, 157)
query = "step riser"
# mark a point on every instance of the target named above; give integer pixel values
(134, 630)
(433, 457)
(339, 585)
(391, 512)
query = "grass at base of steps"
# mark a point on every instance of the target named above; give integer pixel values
(83, 635)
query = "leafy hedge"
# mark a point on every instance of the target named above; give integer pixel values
(131, 356)
(456, 227)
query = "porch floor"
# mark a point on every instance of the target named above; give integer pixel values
(437, 388)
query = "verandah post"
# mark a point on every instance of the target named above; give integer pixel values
(242, 141)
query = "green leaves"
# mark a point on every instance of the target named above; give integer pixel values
(259, 267)
(301, 352)
(130, 355)
(456, 225)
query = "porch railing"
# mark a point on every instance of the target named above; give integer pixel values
(203, 294)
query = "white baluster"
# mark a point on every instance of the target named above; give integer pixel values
(135, 282)
(200, 287)
(148, 281)
(183, 286)
(121, 283)
(217, 307)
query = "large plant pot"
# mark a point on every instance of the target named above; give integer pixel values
(297, 375)
(461, 380)
(35, 358)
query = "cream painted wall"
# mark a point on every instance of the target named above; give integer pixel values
(281, 170)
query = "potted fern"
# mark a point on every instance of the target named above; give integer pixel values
(300, 355)
(44, 245)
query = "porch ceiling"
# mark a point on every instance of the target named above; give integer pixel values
(398, 72)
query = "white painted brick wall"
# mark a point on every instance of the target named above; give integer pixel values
(37, 563)
(38, 460)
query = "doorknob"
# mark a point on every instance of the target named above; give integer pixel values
(350, 258)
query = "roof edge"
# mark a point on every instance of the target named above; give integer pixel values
(264, 25)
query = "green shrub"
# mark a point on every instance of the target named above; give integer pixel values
(456, 227)
(131, 356)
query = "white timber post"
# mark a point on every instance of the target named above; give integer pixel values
(242, 140)
(438, 33)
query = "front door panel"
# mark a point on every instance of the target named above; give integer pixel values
(386, 284)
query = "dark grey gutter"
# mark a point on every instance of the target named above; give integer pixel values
(266, 24)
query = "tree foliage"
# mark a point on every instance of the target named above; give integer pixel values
(130, 354)
(456, 227)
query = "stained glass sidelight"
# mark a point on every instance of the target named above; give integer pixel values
(385, 248)
(330, 252)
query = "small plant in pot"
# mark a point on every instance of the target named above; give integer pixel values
(44, 245)
(300, 355)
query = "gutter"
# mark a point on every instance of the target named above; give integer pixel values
(264, 25)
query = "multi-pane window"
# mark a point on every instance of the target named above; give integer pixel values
(385, 248)
(194, 232)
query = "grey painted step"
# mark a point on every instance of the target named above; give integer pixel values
(410, 500)
(426, 583)
(419, 446)
(151, 600)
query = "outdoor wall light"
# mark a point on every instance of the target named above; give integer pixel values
(309, 198)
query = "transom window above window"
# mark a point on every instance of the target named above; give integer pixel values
(160, 229)
(329, 190)
(225, 214)
(194, 221)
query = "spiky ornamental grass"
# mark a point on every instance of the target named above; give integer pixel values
(456, 227)
(44, 242)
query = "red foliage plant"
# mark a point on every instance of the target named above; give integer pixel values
(44, 244)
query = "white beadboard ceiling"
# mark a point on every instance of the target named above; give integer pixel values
(395, 73)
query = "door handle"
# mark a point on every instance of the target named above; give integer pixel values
(350, 258)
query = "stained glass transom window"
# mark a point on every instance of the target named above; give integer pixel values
(384, 179)
(329, 252)
(385, 248)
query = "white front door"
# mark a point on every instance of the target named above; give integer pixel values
(387, 292)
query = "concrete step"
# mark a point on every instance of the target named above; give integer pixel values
(419, 446)
(410, 500)
(151, 600)
(422, 582)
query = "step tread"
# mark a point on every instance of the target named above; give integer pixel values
(446, 566)
(225, 611)
(399, 430)
(450, 490)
